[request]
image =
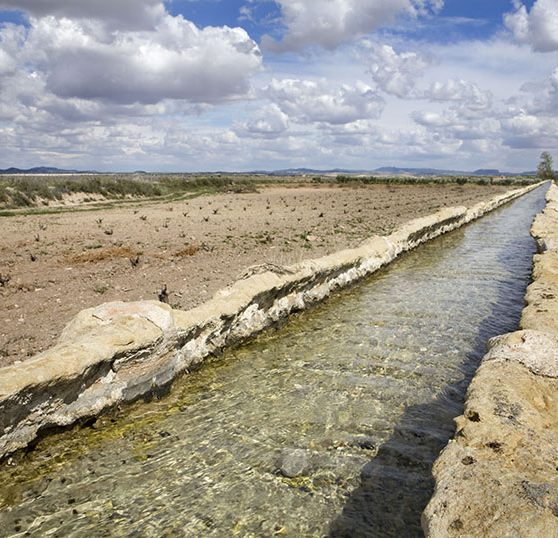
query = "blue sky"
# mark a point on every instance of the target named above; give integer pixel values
(244, 84)
(228, 12)
(487, 14)
(459, 19)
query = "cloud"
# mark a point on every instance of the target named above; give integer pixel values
(383, 143)
(395, 74)
(7, 64)
(452, 124)
(128, 14)
(432, 119)
(526, 121)
(538, 27)
(88, 92)
(531, 119)
(538, 98)
(545, 97)
(460, 91)
(528, 131)
(270, 122)
(328, 23)
(177, 60)
(316, 101)
(11, 40)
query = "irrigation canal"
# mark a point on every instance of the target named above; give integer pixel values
(326, 427)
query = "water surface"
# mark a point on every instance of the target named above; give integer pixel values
(368, 383)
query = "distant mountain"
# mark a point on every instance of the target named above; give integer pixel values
(390, 170)
(384, 170)
(307, 171)
(487, 172)
(437, 172)
(417, 171)
(41, 170)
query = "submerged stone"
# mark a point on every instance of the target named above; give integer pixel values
(294, 462)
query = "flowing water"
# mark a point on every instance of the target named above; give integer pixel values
(365, 386)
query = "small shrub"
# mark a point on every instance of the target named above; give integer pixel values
(190, 250)
(101, 289)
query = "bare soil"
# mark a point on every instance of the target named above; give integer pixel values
(53, 266)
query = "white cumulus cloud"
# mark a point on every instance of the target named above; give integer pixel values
(123, 13)
(316, 101)
(460, 91)
(328, 23)
(270, 122)
(528, 131)
(81, 59)
(538, 27)
(396, 73)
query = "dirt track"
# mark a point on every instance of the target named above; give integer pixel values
(62, 263)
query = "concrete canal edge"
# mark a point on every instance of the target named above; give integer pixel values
(499, 475)
(119, 352)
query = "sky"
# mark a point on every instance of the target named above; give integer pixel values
(238, 85)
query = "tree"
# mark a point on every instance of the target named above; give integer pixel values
(545, 169)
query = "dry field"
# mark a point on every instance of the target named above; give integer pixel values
(54, 265)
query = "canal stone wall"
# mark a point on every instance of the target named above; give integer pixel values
(499, 475)
(119, 352)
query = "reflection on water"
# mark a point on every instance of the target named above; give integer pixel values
(367, 384)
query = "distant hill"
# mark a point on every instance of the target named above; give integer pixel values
(390, 170)
(438, 172)
(384, 170)
(41, 170)
(418, 171)
(487, 172)
(307, 171)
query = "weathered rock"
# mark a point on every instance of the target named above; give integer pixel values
(295, 462)
(119, 352)
(498, 476)
(545, 227)
(542, 295)
(536, 350)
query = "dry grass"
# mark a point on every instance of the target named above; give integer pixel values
(42, 191)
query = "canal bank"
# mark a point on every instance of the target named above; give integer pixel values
(498, 476)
